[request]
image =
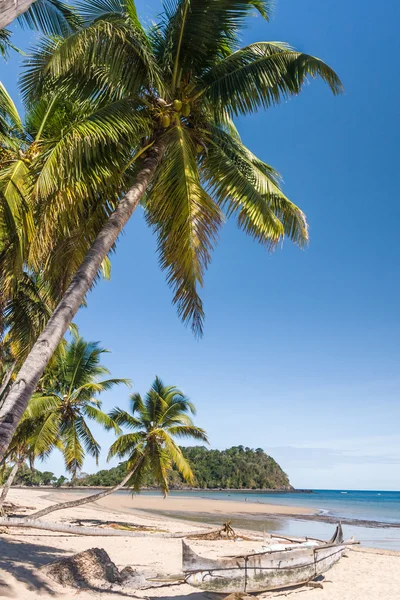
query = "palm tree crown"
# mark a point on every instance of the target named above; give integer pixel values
(153, 423)
(66, 398)
(158, 128)
(178, 86)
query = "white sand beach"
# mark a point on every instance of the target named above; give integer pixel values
(364, 574)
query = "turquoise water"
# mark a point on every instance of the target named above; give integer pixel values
(376, 508)
(352, 504)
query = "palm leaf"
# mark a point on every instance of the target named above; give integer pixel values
(92, 447)
(188, 431)
(53, 17)
(195, 33)
(125, 444)
(121, 417)
(177, 457)
(186, 221)
(266, 214)
(261, 75)
(101, 418)
(74, 452)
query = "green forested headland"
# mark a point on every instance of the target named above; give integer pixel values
(236, 468)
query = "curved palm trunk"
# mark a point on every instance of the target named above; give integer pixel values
(27, 522)
(22, 389)
(9, 482)
(6, 380)
(11, 9)
(85, 500)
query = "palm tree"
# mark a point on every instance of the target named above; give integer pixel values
(149, 446)
(33, 234)
(20, 450)
(181, 84)
(66, 399)
(50, 16)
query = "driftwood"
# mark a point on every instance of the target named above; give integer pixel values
(225, 533)
(27, 523)
(122, 525)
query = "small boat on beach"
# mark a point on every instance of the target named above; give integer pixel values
(296, 563)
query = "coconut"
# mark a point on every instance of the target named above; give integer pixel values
(186, 109)
(177, 105)
(166, 121)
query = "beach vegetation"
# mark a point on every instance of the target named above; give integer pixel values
(59, 414)
(152, 425)
(188, 167)
(238, 467)
(67, 400)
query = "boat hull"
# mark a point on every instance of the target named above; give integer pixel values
(260, 572)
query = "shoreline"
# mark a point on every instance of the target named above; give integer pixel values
(366, 573)
(77, 488)
(190, 506)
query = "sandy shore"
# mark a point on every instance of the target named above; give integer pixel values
(365, 574)
(187, 505)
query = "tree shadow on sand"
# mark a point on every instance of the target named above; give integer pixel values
(22, 560)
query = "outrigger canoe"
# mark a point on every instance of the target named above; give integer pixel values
(270, 569)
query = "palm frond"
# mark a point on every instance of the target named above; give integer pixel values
(235, 192)
(89, 141)
(26, 314)
(9, 112)
(195, 33)
(47, 434)
(123, 418)
(261, 75)
(247, 186)
(107, 60)
(186, 221)
(74, 452)
(160, 462)
(41, 405)
(177, 458)
(125, 444)
(92, 447)
(101, 418)
(188, 431)
(52, 17)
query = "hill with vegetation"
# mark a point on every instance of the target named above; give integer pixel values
(234, 468)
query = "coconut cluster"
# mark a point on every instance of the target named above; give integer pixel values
(180, 109)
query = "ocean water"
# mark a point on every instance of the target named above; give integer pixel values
(379, 510)
(351, 504)
(377, 513)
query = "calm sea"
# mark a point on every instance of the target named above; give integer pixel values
(377, 512)
(351, 504)
(373, 507)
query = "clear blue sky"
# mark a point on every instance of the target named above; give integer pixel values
(301, 348)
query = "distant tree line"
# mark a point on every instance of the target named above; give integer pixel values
(235, 468)
(33, 477)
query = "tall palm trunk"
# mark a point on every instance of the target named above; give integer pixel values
(11, 9)
(6, 380)
(9, 482)
(22, 389)
(86, 499)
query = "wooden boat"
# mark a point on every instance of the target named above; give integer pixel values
(268, 570)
